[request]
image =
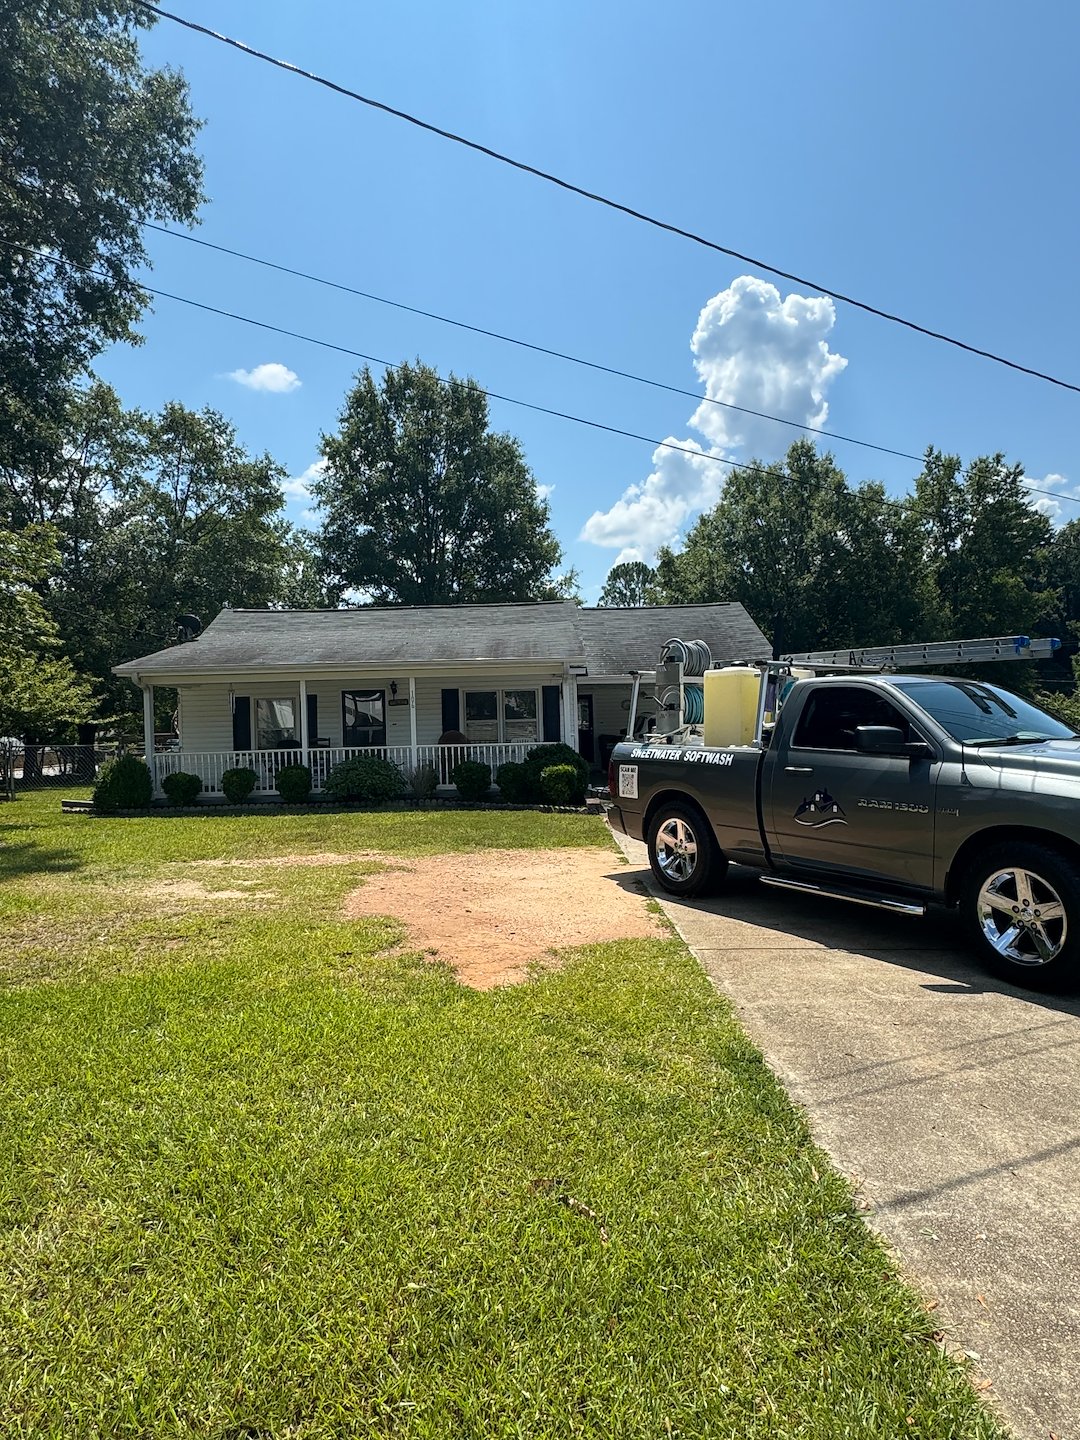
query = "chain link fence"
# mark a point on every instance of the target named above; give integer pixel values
(43, 767)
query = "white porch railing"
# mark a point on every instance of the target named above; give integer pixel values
(210, 765)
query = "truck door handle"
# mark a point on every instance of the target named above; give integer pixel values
(798, 769)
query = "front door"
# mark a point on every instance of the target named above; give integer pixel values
(585, 728)
(830, 807)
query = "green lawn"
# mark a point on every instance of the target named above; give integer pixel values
(261, 1178)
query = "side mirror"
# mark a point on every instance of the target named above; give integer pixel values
(880, 740)
(889, 740)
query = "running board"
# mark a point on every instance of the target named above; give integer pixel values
(879, 902)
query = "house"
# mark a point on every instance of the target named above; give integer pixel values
(267, 688)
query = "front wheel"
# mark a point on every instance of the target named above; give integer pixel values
(1021, 904)
(683, 852)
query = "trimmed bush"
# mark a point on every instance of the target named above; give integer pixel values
(181, 788)
(294, 784)
(515, 783)
(559, 784)
(423, 782)
(542, 757)
(472, 779)
(367, 777)
(238, 783)
(123, 784)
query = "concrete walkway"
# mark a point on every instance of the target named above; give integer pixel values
(953, 1099)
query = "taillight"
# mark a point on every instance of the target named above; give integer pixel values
(611, 778)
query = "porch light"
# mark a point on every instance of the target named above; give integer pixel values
(393, 688)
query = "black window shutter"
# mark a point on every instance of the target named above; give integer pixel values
(451, 710)
(241, 722)
(312, 718)
(552, 727)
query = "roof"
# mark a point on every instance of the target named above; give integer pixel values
(242, 640)
(617, 641)
(604, 641)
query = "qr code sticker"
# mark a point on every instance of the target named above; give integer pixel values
(628, 782)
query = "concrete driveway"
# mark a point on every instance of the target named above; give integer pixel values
(951, 1098)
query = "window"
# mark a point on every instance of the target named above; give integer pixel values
(834, 713)
(972, 711)
(363, 717)
(495, 715)
(275, 724)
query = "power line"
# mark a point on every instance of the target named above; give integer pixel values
(605, 200)
(528, 344)
(466, 384)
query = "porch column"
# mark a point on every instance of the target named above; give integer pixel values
(569, 711)
(412, 721)
(148, 735)
(305, 738)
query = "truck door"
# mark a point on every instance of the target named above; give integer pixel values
(830, 807)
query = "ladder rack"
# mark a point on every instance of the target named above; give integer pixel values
(926, 656)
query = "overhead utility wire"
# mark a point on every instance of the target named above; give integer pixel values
(603, 199)
(466, 384)
(528, 344)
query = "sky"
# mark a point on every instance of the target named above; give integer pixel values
(919, 157)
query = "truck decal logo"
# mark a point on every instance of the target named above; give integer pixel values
(820, 810)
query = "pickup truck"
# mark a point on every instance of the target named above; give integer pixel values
(898, 791)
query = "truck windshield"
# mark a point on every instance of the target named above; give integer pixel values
(980, 714)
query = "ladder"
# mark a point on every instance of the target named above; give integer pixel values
(926, 656)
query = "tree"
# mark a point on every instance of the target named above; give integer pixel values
(92, 145)
(424, 505)
(40, 692)
(985, 547)
(629, 584)
(154, 516)
(814, 562)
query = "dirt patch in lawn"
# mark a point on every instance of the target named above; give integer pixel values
(492, 914)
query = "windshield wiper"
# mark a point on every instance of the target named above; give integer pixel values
(1014, 740)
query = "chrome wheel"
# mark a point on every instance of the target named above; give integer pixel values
(1022, 917)
(676, 849)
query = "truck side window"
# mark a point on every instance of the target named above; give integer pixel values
(834, 713)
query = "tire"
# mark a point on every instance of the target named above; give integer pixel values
(683, 853)
(1021, 906)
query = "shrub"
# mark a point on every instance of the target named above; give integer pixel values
(294, 784)
(123, 784)
(423, 781)
(515, 783)
(542, 756)
(472, 779)
(237, 784)
(181, 788)
(559, 784)
(367, 777)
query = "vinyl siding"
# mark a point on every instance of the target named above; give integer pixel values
(206, 711)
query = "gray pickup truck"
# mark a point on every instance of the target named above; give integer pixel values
(898, 791)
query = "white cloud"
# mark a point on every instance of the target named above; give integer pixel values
(626, 555)
(298, 487)
(750, 349)
(1046, 504)
(544, 492)
(275, 378)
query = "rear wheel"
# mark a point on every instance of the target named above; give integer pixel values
(683, 852)
(1021, 903)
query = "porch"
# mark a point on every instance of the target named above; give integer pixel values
(209, 765)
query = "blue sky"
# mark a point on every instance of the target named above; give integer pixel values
(921, 157)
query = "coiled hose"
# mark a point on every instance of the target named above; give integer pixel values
(695, 655)
(693, 702)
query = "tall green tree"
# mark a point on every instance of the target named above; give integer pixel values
(422, 504)
(985, 547)
(41, 695)
(92, 145)
(815, 562)
(629, 584)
